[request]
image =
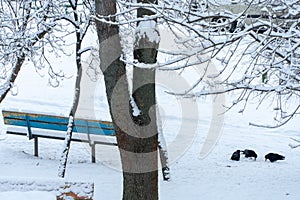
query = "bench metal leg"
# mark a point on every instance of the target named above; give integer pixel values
(93, 149)
(36, 147)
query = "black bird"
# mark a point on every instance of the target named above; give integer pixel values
(274, 157)
(236, 155)
(249, 154)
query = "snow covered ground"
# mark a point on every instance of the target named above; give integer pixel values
(213, 177)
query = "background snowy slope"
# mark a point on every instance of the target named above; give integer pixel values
(214, 177)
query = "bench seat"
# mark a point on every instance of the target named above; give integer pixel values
(35, 125)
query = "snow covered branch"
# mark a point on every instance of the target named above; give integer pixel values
(293, 146)
(258, 56)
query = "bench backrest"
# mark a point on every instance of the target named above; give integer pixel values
(51, 122)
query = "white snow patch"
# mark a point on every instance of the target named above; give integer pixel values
(135, 109)
(16, 195)
(148, 29)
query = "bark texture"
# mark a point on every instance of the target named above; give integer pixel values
(137, 139)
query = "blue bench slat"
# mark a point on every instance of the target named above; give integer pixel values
(15, 122)
(96, 131)
(56, 119)
(58, 123)
(18, 122)
(35, 117)
(100, 124)
(60, 127)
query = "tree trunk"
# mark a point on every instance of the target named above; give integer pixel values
(145, 51)
(144, 96)
(71, 123)
(137, 143)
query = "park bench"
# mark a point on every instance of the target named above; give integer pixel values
(36, 126)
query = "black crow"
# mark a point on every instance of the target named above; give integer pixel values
(274, 157)
(236, 155)
(249, 154)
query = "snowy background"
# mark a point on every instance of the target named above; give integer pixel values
(213, 177)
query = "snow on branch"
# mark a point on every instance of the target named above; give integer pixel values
(293, 146)
(86, 49)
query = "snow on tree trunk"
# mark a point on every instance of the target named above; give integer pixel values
(146, 41)
(137, 143)
(68, 137)
(145, 140)
(143, 93)
(162, 147)
(67, 143)
(79, 38)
